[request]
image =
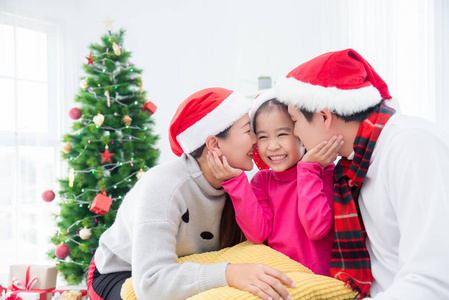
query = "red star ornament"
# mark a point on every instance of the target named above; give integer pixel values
(89, 59)
(106, 155)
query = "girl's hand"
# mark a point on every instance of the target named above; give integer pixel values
(222, 171)
(261, 280)
(325, 152)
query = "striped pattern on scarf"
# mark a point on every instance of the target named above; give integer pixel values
(350, 260)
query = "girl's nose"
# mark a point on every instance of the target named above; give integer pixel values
(273, 145)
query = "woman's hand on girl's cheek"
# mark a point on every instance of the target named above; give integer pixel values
(261, 280)
(221, 170)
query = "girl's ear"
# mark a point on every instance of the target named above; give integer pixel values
(212, 144)
(326, 118)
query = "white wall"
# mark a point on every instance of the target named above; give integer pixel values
(187, 45)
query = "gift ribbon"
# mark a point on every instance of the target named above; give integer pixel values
(14, 294)
(13, 297)
(17, 286)
(28, 285)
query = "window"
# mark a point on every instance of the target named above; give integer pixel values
(29, 138)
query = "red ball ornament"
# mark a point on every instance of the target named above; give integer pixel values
(75, 113)
(62, 251)
(48, 196)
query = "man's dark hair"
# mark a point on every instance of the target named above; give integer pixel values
(360, 116)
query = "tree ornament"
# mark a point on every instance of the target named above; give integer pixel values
(89, 59)
(108, 23)
(140, 174)
(106, 155)
(99, 119)
(149, 107)
(48, 196)
(67, 148)
(140, 87)
(116, 49)
(62, 251)
(108, 102)
(83, 84)
(75, 113)
(85, 233)
(71, 177)
(101, 204)
(127, 120)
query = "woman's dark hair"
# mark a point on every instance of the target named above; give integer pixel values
(268, 105)
(197, 153)
(230, 232)
(360, 116)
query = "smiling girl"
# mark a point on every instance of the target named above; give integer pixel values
(290, 207)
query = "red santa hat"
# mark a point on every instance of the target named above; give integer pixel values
(341, 81)
(206, 112)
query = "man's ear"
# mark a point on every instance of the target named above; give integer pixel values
(212, 144)
(326, 118)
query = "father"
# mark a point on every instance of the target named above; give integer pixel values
(391, 176)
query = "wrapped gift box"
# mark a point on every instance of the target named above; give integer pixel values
(46, 275)
(70, 292)
(101, 204)
(31, 294)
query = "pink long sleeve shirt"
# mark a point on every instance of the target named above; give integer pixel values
(291, 210)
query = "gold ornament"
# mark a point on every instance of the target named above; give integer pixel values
(85, 233)
(71, 177)
(140, 174)
(67, 147)
(99, 119)
(116, 49)
(127, 120)
(83, 84)
(140, 87)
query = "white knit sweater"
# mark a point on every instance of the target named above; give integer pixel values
(404, 202)
(172, 211)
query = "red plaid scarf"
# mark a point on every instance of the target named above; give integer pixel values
(350, 260)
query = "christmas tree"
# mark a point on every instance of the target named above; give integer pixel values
(110, 147)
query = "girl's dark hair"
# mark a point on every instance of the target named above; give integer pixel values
(230, 232)
(268, 105)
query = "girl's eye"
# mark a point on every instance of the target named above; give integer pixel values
(283, 134)
(261, 137)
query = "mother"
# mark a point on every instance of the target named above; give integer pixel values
(179, 208)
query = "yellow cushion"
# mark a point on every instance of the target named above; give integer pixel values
(308, 284)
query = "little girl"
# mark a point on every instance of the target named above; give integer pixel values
(290, 207)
